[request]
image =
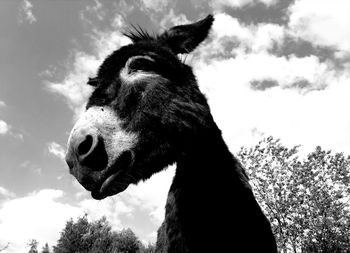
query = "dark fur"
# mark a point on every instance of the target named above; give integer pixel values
(210, 206)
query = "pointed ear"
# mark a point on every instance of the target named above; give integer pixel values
(185, 38)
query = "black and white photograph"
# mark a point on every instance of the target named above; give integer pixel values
(165, 126)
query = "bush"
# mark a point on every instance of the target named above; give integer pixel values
(96, 237)
(306, 201)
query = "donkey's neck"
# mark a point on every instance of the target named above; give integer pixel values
(210, 194)
(207, 160)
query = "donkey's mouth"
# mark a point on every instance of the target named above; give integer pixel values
(116, 178)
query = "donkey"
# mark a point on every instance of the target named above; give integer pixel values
(147, 112)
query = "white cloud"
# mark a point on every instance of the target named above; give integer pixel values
(151, 195)
(56, 149)
(49, 72)
(156, 5)
(287, 71)
(38, 171)
(6, 193)
(42, 214)
(148, 197)
(323, 23)
(219, 4)
(170, 19)
(73, 87)
(4, 127)
(318, 117)
(308, 98)
(39, 215)
(229, 37)
(112, 208)
(26, 13)
(96, 10)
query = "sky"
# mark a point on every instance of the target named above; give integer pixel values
(268, 67)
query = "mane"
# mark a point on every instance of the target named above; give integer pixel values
(136, 33)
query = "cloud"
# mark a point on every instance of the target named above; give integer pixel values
(56, 149)
(39, 215)
(282, 110)
(170, 19)
(325, 23)
(250, 90)
(230, 38)
(74, 87)
(4, 127)
(155, 5)
(26, 13)
(84, 65)
(96, 10)
(2, 103)
(246, 51)
(151, 195)
(147, 198)
(263, 84)
(7, 129)
(219, 4)
(5, 193)
(32, 166)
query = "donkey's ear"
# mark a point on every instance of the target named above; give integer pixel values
(185, 38)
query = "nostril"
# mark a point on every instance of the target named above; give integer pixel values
(87, 151)
(85, 146)
(92, 153)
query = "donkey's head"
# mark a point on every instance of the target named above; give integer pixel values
(146, 109)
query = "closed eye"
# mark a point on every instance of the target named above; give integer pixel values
(140, 63)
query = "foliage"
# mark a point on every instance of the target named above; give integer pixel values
(98, 237)
(45, 249)
(33, 246)
(151, 248)
(306, 201)
(126, 241)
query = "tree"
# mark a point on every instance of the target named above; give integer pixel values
(85, 236)
(126, 241)
(151, 248)
(45, 249)
(95, 237)
(306, 201)
(33, 244)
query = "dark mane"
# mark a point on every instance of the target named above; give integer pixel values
(137, 34)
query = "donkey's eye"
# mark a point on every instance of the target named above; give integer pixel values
(141, 63)
(93, 81)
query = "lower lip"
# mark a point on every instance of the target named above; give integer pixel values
(103, 191)
(108, 181)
